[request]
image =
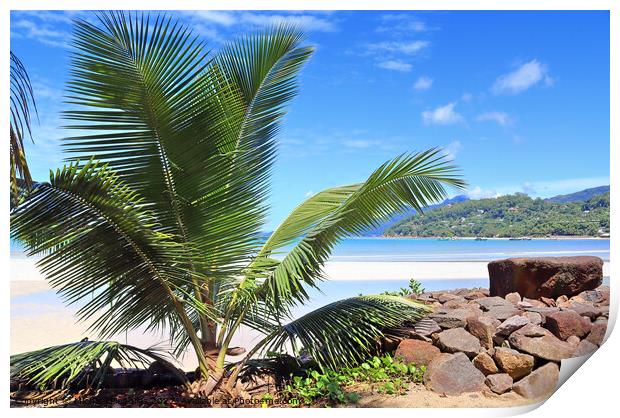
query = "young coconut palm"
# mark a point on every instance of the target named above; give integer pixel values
(164, 218)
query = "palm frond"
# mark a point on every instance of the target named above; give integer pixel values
(83, 363)
(193, 135)
(100, 246)
(410, 180)
(345, 332)
(23, 107)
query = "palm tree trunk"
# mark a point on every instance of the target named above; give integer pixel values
(208, 342)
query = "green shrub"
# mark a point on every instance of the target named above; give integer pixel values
(384, 373)
(415, 288)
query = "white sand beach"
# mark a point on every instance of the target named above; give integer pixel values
(36, 323)
(25, 270)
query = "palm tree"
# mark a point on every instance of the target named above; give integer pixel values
(22, 107)
(162, 206)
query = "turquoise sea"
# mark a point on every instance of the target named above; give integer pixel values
(399, 249)
(414, 249)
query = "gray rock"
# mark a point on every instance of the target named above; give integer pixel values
(487, 303)
(502, 313)
(458, 340)
(453, 318)
(534, 317)
(444, 297)
(426, 327)
(514, 363)
(453, 374)
(512, 324)
(540, 383)
(539, 342)
(499, 383)
(543, 312)
(583, 309)
(600, 295)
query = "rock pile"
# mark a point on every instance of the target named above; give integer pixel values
(473, 341)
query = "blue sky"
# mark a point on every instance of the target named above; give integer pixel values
(519, 99)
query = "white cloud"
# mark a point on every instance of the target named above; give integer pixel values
(40, 32)
(442, 115)
(501, 118)
(423, 83)
(309, 193)
(307, 21)
(360, 143)
(554, 187)
(540, 188)
(407, 48)
(521, 79)
(401, 22)
(452, 149)
(395, 65)
(480, 193)
(215, 16)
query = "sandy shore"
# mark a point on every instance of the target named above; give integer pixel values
(25, 270)
(40, 321)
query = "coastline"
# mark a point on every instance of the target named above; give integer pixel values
(26, 278)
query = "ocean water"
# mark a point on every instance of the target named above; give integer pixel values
(430, 249)
(394, 249)
(408, 249)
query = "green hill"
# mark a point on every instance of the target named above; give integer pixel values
(581, 195)
(509, 216)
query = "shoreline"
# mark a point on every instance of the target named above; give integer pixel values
(25, 271)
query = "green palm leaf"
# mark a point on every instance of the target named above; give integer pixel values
(412, 180)
(83, 363)
(22, 107)
(101, 247)
(345, 332)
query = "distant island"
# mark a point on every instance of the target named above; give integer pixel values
(584, 213)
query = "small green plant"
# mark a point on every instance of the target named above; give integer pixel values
(385, 374)
(415, 288)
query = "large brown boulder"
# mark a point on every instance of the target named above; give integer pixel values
(421, 353)
(548, 277)
(453, 374)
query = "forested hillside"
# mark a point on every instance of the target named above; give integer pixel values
(509, 216)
